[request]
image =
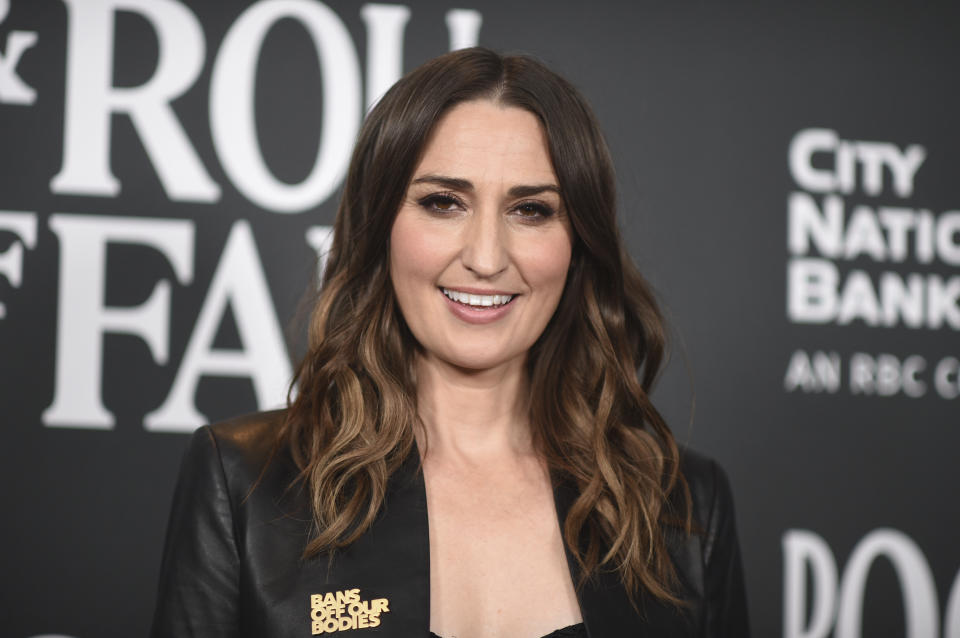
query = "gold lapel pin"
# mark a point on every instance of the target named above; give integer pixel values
(344, 610)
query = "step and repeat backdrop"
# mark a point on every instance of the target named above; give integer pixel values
(789, 181)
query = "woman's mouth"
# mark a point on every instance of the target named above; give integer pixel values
(477, 301)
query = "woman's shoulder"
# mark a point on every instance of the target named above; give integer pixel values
(708, 483)
(237, 449)
(220, 525)
(709, 561)
(249, 436)
(710, 491)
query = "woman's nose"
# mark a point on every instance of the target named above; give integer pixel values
(484, 250)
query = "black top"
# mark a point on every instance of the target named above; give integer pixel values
(573, 631)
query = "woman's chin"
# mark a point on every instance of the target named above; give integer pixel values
(478, 361)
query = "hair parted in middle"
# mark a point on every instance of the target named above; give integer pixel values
(352, 422)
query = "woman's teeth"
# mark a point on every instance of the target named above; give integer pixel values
(477, 300)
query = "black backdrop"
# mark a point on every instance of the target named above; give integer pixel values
(787, 180)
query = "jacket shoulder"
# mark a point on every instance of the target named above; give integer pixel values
(712, 562)
(709, 486)
(241, 450)
(208, 542)
(249, 438)
(249, 430)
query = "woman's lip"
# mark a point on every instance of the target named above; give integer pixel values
(478, 291)
(473, 314)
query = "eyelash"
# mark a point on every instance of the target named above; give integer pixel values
(534, 210)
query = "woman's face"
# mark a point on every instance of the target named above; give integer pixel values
(480, 247)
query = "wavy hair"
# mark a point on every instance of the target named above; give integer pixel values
(352, 422)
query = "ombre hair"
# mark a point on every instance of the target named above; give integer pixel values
(352, 422)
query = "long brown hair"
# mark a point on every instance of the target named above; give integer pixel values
(352, 422)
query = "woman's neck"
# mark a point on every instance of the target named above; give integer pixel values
(473, 415)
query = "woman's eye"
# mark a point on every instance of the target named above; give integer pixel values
(534, 210)
(440, 203)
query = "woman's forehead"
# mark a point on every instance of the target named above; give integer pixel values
(486, 142)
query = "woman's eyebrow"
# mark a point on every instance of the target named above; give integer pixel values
(533, 189)
(459, 184)
(453, 183)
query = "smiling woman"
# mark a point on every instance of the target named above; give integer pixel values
(472, 450)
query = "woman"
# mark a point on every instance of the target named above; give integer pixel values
(471, 451)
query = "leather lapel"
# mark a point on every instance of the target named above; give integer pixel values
(392, 559)
(603, 601)
(606, 608)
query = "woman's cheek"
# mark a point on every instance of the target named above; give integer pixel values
(548, 260)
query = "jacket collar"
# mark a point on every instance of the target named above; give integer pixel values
(604, 603)
(394, 558)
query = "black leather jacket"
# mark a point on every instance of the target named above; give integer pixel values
(232, 562)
